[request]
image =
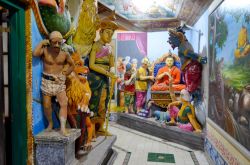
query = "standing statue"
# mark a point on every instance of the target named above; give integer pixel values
(191, 62)
(129, 88)
(141, 84)
(120, 71)
(54, 76)
(101, 64)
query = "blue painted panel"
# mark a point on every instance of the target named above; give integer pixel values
(38, 118)
(214, 155)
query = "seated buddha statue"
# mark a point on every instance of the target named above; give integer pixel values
(167, 73)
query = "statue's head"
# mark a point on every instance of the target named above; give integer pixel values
(80, 70)
(134, 63)
(56, 40)
(145, 62)
(176, 37)
(169, 61)
(120, 65)
(185, 96)
(108, 27)
(128, 67)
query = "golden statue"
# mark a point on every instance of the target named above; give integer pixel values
(88, 23)
(79, 93)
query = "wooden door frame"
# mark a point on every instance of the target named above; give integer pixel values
(17, 82)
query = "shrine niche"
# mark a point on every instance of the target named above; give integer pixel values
(62, 73)
(160, 90)
(75, 41)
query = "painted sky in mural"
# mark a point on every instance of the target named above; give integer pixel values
(229, 60)
(143, 9)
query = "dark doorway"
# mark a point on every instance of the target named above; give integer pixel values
(5, 129)
(13, 122)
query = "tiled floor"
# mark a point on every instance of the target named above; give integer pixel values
(133, 148)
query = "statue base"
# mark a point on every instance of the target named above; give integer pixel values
(54, 148)
(162, 98)
(101, 153)
(171, 133)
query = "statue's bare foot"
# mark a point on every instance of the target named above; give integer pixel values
(104, 133)
(49, 128)
(171, 123)
(80, 153)
(64, 132)
(93, 139)
(198, 131)
(87, 147)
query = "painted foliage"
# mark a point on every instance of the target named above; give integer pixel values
(229, 78)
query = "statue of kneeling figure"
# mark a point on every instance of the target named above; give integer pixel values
(183, 113)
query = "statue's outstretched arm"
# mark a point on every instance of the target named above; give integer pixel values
(195, 56)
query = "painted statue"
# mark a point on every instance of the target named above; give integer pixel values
(165, 74)
(121, 69)
(55, 15)
(134, 63)
(141, 84)
(129, 88)
(79, 93)
(88, 23)
(54, 76)
(101, 64)
(183, 112)
(191, 61)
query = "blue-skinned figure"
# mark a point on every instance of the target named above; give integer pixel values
(191, 61)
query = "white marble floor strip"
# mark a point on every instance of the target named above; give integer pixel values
(133, 148)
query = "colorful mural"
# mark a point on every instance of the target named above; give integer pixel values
(229, 78)
(143, 10)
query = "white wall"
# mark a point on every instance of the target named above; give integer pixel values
(158, 45)
(201, 48)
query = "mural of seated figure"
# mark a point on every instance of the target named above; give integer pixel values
(165, 74)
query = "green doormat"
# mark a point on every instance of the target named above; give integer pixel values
(161, 157)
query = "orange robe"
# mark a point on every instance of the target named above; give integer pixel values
(163, 84)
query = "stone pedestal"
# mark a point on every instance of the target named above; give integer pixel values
(101, 153)
(170, 133)
(54, 148)
(113, 116)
